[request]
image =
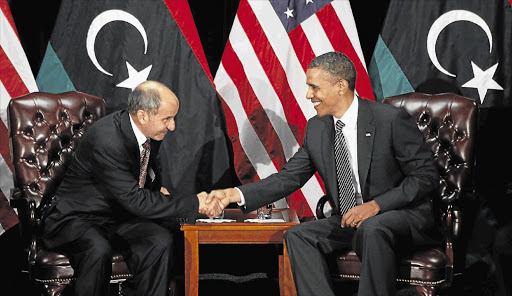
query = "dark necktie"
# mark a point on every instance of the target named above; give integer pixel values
(346, 189)
(144, 160)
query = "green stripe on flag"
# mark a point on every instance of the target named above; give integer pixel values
(52, 76)
(386, 76)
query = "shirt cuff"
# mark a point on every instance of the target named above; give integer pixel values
(242, 198)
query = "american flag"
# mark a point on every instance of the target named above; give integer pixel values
(262, 81)
(16, 79)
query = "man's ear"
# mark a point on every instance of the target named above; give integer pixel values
(342, 86)
(142, 116)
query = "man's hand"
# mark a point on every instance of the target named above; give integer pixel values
(164, 191)
(212, 209)
(356, 215)
(225, 196)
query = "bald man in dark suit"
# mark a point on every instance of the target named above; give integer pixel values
(110, 198)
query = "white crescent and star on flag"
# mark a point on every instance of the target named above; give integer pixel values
(134, 77)
(482, 80)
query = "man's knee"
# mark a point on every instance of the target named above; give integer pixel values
(372, 233)
(503, 242)
(90, 251)
(293, 234)
(100, 250)
(161, 240)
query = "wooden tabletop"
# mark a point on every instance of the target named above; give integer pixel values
(288, 215)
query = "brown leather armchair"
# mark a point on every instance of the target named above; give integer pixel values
(44, 131)
(448, 123)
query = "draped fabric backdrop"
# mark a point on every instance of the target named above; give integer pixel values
(262, 81)
(35, 20)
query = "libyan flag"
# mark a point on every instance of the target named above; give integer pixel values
(458, 46)
(462, 47)
(106, 48)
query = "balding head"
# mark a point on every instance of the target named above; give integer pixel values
(148, 95)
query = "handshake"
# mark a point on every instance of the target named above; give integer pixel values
(213, 204)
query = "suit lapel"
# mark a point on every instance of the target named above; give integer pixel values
(328, 159)
(130, 141)
(365, 139)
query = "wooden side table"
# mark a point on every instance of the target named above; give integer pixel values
(238, 232)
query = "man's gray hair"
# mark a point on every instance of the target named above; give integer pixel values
(338, 65)
(144, 98)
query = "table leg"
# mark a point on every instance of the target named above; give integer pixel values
(286, 284)
(191, 263)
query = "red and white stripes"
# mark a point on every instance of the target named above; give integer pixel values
(16, 79)
(262, 82)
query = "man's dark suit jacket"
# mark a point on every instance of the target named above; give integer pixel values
(101, 185)
(396, 169)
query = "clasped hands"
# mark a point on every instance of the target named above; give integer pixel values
(213, 204)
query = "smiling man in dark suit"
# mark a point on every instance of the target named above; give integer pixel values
(378, 174)
(111, 198)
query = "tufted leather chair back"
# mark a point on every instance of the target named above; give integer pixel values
(448, 123)
(44, 131)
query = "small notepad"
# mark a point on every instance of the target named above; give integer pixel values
(264, 220)
(215, 220)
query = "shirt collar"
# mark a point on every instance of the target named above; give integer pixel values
(138, 134)
(350, 117)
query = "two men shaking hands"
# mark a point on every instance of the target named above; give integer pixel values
(213, 204)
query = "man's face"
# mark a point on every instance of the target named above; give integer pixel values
(323, 92)
(158, 124)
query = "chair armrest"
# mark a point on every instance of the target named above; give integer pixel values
(320, 207)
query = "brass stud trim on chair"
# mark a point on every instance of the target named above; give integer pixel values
(118, 276)
(416, 282)
(53, 281)
(347, 276)
(413, 282)
(67, 280)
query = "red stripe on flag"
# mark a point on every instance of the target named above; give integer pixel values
(180, 11)
(10, 77)
(7, 13)
(301, 47)
(340, 42)
(255, 112)
(298, 202)
(4, 149)
(8, 217)
(274, 70)
(243, 167)
(305, 54)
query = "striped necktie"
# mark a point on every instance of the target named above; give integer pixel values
(344, 174)
(144, 160)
